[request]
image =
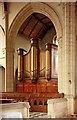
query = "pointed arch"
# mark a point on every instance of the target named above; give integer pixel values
(22, 15)
(30, 8)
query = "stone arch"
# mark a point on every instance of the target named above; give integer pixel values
(30, 8)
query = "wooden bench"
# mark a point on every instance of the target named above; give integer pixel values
(33, 98)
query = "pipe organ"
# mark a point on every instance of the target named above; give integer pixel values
(37, 77)
(37, 73)
(20, 64)
(37, 63)
(42, 64)
(34, 60)
(27, 65)
(48, 61)
(36, 69)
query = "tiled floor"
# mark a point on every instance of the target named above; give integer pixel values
(45, 115)
(38, 115)
(72, 116)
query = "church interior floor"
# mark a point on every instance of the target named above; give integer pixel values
(71, 116)
(38, 115)
(45, 115)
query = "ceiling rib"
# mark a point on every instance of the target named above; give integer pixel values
(36, 26)
(42, 34)
(41, 21)
(43, 18)
(27, 23)
(37, 36)
(33, 29)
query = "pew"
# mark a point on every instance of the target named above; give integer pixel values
(37, 101)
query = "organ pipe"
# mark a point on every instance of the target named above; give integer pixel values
(34, 60)
(48, 61)
(20, 64)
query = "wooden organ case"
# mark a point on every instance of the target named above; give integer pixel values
(36, 75)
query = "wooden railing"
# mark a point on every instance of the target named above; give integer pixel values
(38, 101)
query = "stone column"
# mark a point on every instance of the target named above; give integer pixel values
(48, 61)
(20, 64)
(9, 71)
(69, 55)
(34, 60)
(9, 57)
(60, 65)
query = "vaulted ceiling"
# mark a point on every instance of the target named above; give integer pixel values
(36, 26)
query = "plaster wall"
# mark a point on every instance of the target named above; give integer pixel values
(48, 38)
(2, 38)
(20, 42)
(2, 48)
(15, 7)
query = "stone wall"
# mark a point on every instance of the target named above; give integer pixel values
(10, 109)
(57, 108)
